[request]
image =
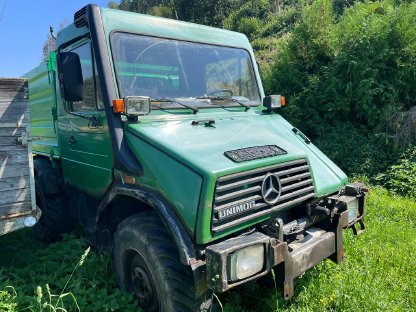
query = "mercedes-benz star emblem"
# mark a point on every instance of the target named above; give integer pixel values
(271, 189)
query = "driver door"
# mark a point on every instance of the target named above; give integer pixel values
(86, 150)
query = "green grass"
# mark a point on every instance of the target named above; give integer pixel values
(379, 273)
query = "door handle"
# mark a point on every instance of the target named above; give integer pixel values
(72, 140)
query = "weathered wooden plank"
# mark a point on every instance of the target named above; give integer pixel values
(10, 140)
(5, 104)
(15, 208)
(8, 184)
(14, 196)
(13, 117)
(13, 83)
(17, 170)
(23, 124)
(11, 109)
(7, 148)
(13, 157)
(13, 96)
(11, 131)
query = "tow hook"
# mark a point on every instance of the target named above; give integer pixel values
(360, 222)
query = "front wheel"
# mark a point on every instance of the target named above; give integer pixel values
(147, 264)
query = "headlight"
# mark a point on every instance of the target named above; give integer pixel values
(352, 210)
(246, 262)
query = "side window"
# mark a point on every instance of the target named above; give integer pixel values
(92, 95)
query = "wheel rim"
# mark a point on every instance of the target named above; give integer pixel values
(142, 286)
(141, 282)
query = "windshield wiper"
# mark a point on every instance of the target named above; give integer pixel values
(222, 98)
(194, 109)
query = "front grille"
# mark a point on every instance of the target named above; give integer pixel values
(238, 197)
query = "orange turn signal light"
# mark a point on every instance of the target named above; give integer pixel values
(118, 106)
(283, 101)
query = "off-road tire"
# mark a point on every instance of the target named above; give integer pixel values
(143, 251)
(55, 219)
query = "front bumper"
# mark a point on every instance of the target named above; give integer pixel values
(293, 259)
(323, 240)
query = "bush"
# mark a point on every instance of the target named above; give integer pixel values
(401, 177)
(7, 300)
(360, 67)
(355, 150)
(249, 26)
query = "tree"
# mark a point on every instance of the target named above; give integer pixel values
(49, 44)
(212, 13)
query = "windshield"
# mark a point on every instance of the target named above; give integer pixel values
(194, 73)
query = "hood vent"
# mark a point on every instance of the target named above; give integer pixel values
(255, 152)
(80, 18)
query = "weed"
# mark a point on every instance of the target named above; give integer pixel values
(401, 177)
(379, 272)
(26, 263)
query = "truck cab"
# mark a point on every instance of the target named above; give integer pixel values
(157, 137)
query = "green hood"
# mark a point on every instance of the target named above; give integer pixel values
(202, 147)
(183, 161)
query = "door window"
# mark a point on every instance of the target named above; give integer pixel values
(92, 100)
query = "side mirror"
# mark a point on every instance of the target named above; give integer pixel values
(271, 102)
(70, 76)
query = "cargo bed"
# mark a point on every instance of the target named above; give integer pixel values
(17, 188)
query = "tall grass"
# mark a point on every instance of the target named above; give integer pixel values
(379, 273)
(57, 277)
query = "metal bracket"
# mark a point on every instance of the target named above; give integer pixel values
(354, 229)
(23, 139)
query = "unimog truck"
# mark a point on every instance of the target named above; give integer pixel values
(155, 135)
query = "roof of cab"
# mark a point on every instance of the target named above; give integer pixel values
(117, 20)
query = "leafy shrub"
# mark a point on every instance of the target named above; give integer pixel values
(401, 177)
(91, 287)
(355, 150)
(248, 17)
(359, 68)
(249, 26)
(7, 300)
(281, 23)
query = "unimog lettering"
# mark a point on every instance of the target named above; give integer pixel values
(142, 109)
(229, 212)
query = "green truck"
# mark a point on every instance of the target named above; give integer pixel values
(155, 135)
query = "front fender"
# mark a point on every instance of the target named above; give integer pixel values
(163, 209)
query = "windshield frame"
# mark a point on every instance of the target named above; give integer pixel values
(172, 105)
